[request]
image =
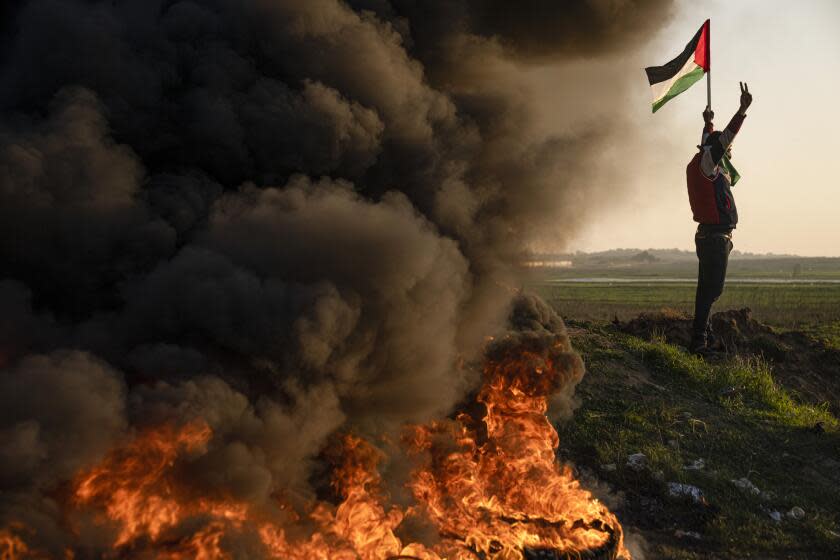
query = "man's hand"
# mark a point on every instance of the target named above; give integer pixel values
(746, 97)
(708, 115)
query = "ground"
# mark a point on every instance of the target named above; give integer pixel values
(763, 411)
(652, 397)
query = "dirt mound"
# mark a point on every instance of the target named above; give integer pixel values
(800, 362)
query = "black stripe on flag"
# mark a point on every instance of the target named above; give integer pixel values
(658, 74)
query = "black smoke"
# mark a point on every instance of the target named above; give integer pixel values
(286, 217)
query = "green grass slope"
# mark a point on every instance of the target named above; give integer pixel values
(650, 397)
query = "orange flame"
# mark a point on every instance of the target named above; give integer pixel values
(508, 493)
(491, 487)
(134, 483)
(11, 546)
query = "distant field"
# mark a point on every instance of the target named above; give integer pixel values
(800, 292)
(790, 268)
(784, 305)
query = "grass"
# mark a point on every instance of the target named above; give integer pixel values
(651, 397)
(827, 332)
(746, 383)
(790, 305)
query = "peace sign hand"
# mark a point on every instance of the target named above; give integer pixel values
(746, 96)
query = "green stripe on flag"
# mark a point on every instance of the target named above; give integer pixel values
(730, 170)
(679, 86)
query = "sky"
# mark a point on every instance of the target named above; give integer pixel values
(786, 152)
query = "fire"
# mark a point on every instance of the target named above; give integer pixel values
(133, 484)
(11, 546)
(503, 492)
(487, 481)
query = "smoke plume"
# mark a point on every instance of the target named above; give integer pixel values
(285, 217)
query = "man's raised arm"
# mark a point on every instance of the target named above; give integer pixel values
(720, 144)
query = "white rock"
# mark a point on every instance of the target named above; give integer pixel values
(696, 465)
(679, 533)
(747, 486)
(609, 467)
(637, 461)
(776, 516)
(680, 490)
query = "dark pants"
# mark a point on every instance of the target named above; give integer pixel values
(713, 252)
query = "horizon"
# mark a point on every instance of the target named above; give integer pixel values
(735, 252)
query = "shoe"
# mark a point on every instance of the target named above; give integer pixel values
(712, 340)
(698, 347)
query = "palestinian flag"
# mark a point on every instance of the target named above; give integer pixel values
(672, 79)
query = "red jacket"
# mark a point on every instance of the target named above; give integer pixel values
(709, 189)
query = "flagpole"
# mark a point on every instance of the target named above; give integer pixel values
(709, 63)
(709, 89)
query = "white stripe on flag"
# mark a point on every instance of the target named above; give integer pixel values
(660, 89)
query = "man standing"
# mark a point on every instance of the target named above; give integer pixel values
(710, 177)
